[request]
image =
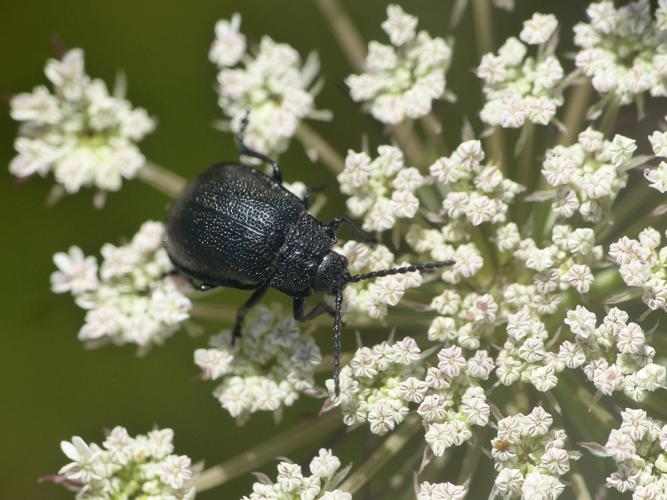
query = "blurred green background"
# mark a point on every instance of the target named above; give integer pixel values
(51, 386)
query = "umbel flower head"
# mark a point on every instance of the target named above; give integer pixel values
(293, 483)
(79, 132)
(130, 297)
(270, 86)
(622, 49)
(266, 369)
(143, 466)
(403, 79)
(530, 456)
(639, 448)
(520, 88)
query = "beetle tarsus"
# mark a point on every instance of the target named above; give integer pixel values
(318, 310)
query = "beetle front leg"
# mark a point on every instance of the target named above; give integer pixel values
(335, 224)
(319, 309)
(241, 312)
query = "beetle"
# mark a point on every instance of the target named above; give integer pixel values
(234, 226)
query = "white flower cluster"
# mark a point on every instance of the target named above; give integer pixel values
(292, 484)
(615, 355)
(475, 192)
(441, 491)
(380, 190)
(370, 384)
(80, 132)
(639, 448)
(401, 80)
(128, 299)
(623, 49)
(565, 263)
(520, 88)
(380, 383)
(450, 398)
(371, 297)
(588, 175)
(272, 85)
(643, 264)
(266, 369)
(530, 457)
(524, 355)
(143, 466)
(657, 177)
(471, 319)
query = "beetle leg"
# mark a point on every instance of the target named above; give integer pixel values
(309, 193)
(319, 309)
(241, 312)
(245, 150)
(335, 224)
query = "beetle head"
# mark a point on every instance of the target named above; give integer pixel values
(331, 273)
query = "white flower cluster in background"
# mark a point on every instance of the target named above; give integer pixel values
(643, 263)
(372, 297)
(271, 84)
(292, 483)
(615, 355)
(530, 456)
(657, 177)
(588, 175)
(370, 384)
(80, 133)
(441, 491)
(623, 49)
(639, 448)
(128, 299)
(267, 368)
(520, 88)
(403, 79)
(475, 192)
(380, 190)
(143, 466)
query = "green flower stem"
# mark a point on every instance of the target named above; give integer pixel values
(609, 117)
(483, 19)
(381, 456)
(325, 152)
(411, 145)
(579, 486)
(527, 165)
(353, 46)
(575, 112)
(304, 432)
(346, 34)
(472, 456)
(162, 179)
(433, 128)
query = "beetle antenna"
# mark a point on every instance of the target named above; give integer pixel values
(429, 266)
(336, 346)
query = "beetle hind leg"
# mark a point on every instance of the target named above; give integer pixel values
(244, 150)
(242, 311)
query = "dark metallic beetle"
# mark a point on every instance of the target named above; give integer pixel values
(236, 227)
